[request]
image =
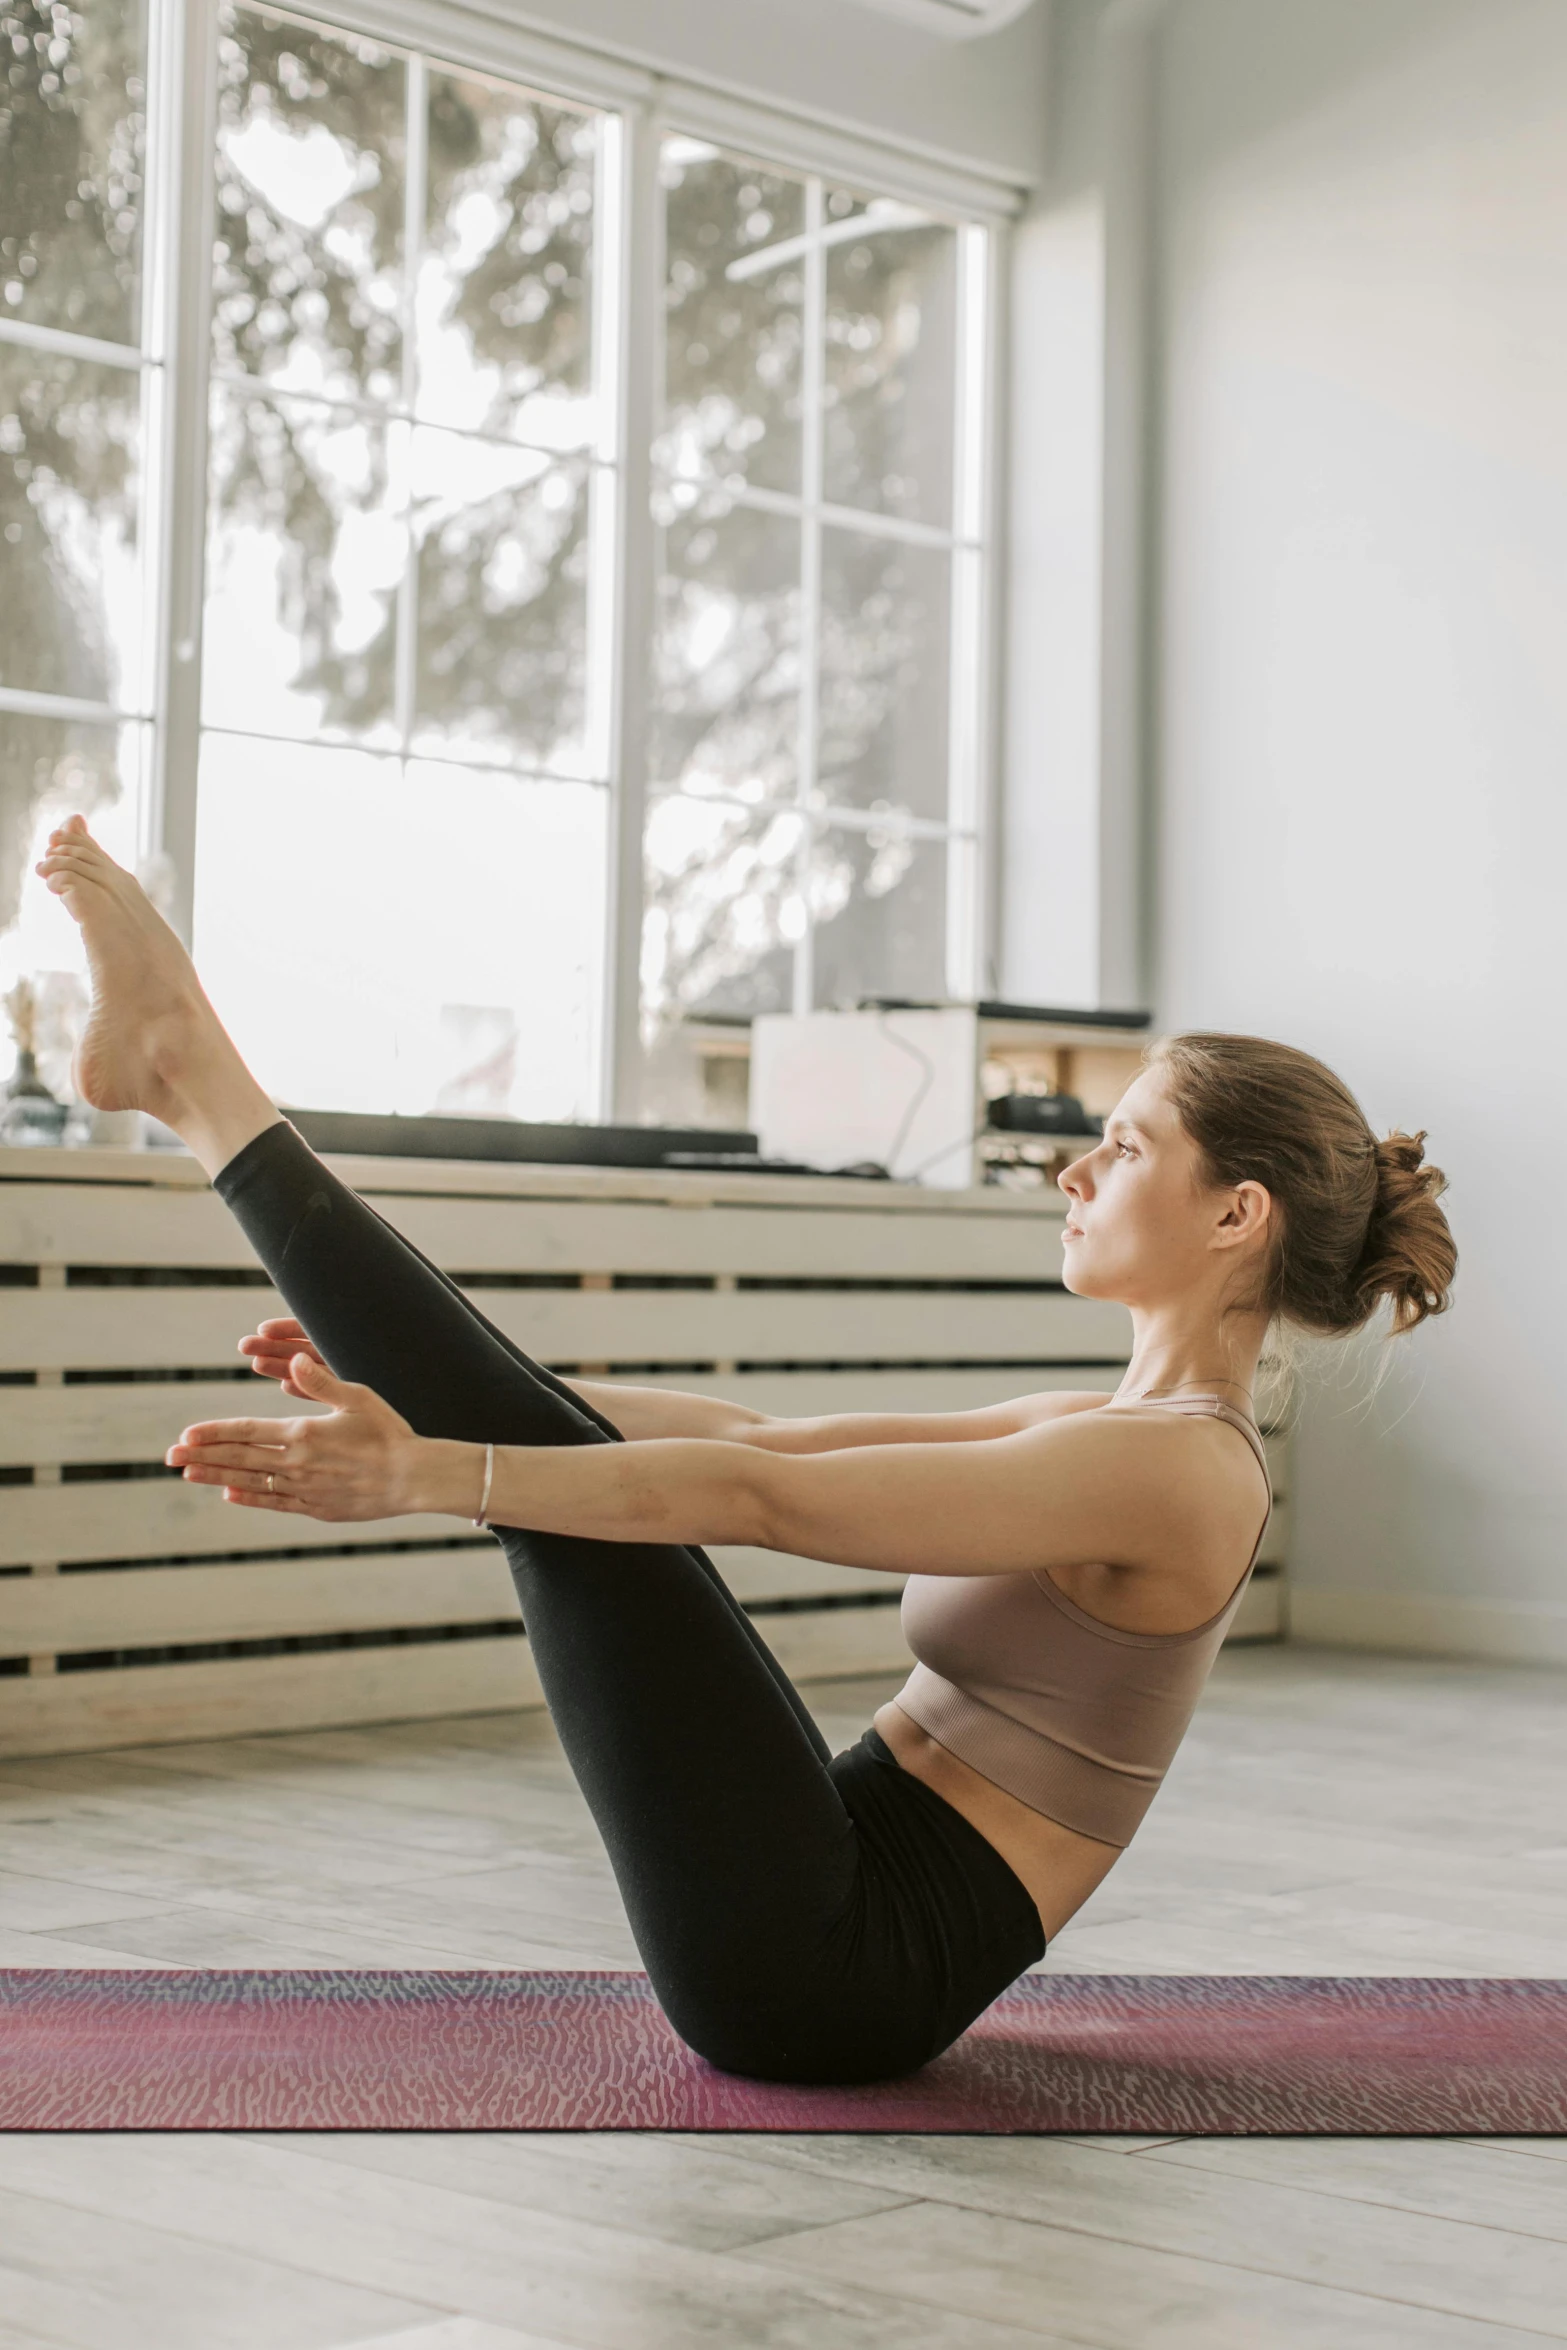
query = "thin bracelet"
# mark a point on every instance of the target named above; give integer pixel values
(484, 1499)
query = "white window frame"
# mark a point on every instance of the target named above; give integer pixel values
(178, 237)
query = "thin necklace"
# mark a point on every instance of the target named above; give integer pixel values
(1138, 1394)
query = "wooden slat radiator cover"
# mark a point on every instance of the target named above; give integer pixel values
(134, 1608)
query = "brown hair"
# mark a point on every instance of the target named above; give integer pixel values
(1357, 1218)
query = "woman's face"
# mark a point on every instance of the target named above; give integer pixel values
(1141, 1224)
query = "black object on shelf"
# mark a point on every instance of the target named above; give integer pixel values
(1041, 1113)
(1058, 1015)
(360, 1133)
(1064, 1018)
(753, 1163)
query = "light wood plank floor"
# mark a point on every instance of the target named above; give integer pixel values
(1328, 1813)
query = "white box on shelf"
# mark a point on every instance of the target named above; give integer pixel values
(909, 1089)
(901, 1088)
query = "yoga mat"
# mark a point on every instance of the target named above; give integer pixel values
(1154, 2054)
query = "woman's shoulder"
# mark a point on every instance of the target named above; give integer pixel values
(1059, 1404)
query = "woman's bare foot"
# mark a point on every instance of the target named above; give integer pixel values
(153, 1041)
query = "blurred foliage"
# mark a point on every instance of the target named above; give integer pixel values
(312, 303)
(72, 123)
(320, 305)
(729, 891)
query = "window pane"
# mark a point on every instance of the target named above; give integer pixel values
(727, 664)
(423, 975)
(734, 319)
(505, 282)
(72, 127)
(307, 284)
(69, 585)
(723, 909)
(50, 767)
(307, 543)
(503, 572)
(890, 374)
(884, 675)
(879, 906)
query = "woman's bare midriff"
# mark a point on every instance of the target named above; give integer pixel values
(1059, 1867)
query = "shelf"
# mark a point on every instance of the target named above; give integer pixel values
(1076, 1143)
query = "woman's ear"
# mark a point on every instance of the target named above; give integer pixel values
(1247, 1214)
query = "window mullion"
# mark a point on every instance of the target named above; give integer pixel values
(608, 335)
(415, 183)
(178, 327)
(813, 376)
(994, 245)
(966, 673)
(637, 237)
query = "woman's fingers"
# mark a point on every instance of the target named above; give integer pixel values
(268, 1501)
(215, 1460)
(349, 1462)
(272, 1347)
(273, 1435)
(242, 1480)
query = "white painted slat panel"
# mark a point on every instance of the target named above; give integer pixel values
(71, 1713)
(117, 1224)
(773, 1574)
(161, 1517)
(157, 1607)
(579, 1236)
(106, 1421)
(1276, 1541)
(158, 1517)
(1260, 1615)
(650, 1325)
(837, 1643)
(122, 1329)
(805, 1395)
(87, 1224)
(49, 1425)
(163, 1704)
(381, 1177)
(127, 1329)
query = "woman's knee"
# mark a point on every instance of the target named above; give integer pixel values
(826, 2044)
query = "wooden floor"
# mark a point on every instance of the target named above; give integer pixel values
(1328, 1813)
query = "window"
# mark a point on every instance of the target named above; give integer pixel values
(811, 775)
(451, 656)
(411, 525)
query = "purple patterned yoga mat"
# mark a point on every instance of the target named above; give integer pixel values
(1155, 2054)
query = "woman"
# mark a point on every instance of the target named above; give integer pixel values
(1075, 1559)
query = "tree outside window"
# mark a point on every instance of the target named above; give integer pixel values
(407, 793)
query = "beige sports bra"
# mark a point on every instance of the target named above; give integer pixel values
(1075, 1718)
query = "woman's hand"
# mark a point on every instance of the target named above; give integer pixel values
(273, 1348)
(359, 1459)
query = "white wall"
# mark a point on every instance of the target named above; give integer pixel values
(1361, 697)
(1071, 895)
(980, 102)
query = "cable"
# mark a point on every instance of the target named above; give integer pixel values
(905, 1044)
(966, 1141)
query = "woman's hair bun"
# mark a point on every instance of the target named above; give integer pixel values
(1408, 1256)
(1354, 1220)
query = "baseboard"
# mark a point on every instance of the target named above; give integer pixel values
(1430, 1624)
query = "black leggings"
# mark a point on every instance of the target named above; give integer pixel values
(803, 1917)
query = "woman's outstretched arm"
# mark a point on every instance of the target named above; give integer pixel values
(1124, 1488)
(641, 1413)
